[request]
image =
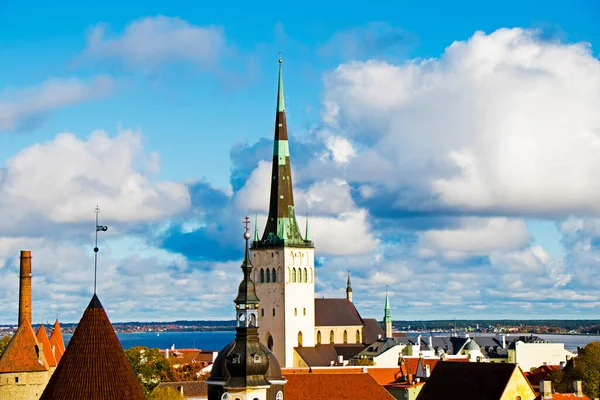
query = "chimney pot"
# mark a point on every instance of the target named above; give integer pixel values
(25, 287)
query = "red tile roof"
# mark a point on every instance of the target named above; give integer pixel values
(56, 339)
(94, 365)
(540, 374)
(382, 375)
(22, 352)
(338, 386)
(42, 337)
(564, 396)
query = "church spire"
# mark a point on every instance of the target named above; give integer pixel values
(282, 227)
(349, 289)
(387, 319)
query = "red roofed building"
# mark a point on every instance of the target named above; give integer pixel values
(94, 365)
(338, 386)
(57, 341)
(42, 337)
(24, 368)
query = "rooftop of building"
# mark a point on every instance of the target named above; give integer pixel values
(339, 386)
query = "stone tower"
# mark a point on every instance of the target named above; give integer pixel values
(387, 318)
(245, 369)
(283, 259)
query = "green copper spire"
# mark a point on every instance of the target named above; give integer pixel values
(387, 309)
(280, 101)
(256, 239)
(306, 235)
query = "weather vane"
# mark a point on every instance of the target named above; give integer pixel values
(99, 228)
(246, 223)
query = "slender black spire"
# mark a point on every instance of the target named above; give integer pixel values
(99, 228)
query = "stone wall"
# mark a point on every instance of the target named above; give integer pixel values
(23, 385)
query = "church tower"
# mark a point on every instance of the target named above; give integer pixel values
(387, 318)
(283, 259)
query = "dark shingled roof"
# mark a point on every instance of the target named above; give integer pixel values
(467, 381)
(336, 312)
(94, 365)
(21, 354)
(371, 330)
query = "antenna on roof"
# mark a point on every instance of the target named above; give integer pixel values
(102, 228)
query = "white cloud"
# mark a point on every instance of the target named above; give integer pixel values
(62, 181)
(505, 122)
(151, 41)
(476, 236)
(19, 107)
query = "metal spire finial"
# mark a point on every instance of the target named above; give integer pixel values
(102, 228)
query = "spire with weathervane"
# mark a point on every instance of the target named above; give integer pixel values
(282, 227)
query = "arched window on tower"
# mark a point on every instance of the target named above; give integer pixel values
(305, 275)
(345, 337)
(295, 312)
(273, 275)
(262, 275)
(357, 336)
(318, 337)
(312, 277)
(293, 274)
(268, 275)
(270, 342)
(331, 337)
(300, 339)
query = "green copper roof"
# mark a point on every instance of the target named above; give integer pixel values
(387, 302)
(280, 102)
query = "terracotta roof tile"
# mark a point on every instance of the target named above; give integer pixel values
(94, 365)
(340, 386)
(564, 396)
(382, 375)
(42, 337)
(22, 352)
(56, 338)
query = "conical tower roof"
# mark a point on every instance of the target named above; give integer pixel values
(56, 340)
(42, 337)
(23, 352)
(94, 365)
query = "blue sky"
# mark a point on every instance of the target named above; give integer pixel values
(457, 141)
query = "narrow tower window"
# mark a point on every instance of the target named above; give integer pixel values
(273, 312)
(318, 337)
(274, 276)
(295, 312)
(270, 342)
(331, 336)
(357, 336)
(293, 274)
(300, 339)
(262, 312)
(262, 275)
(345, 337)
(304, 311)
(268, 275)
(305, 275)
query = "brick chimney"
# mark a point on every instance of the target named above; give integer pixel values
(25, 287)
(577, 389)
(546, 389)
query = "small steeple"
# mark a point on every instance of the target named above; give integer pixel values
(387, 319)
(281, 228)
(306, 234)
(349, 289)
